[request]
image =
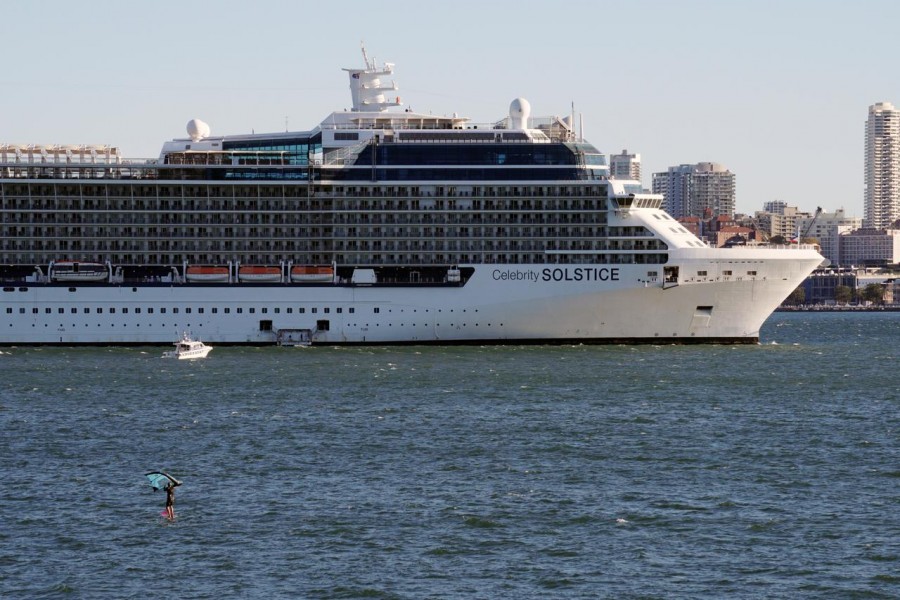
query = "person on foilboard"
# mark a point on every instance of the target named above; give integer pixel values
(160, 480)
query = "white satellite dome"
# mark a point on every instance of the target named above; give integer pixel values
(197, 129)
(519, 111)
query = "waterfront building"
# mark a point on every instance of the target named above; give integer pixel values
(882, 166)
(696, 190)
(820, 286)
(625, 166)
(869, 246)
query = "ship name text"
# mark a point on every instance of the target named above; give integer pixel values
(558, 274)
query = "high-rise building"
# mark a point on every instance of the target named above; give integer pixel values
(882, 166)
(625, 166)
(776, 207)
(702, 190)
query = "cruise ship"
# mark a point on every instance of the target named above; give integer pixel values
(381, 225)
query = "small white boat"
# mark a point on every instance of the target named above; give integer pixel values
(186, 348)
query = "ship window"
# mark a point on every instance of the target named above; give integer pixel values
(376, 309)
(277, 310)
(215, 310)
(339, 310)
(9, 310)
(726, 273)
(162, 311)
(352, 310)
(302, 310)
(701, 273)
(175, 311)
(264, 310)
(22, 311)
(188, 310)
(124, 311)
(326, 310)
(34, 310)
(150, 311)
(314, 310)
(751, 272)
(240, 310)
(137, 311)
(253, 311)
(290, 310)
(74, 310)
(112, 310)
(99, 310)
(227, 311)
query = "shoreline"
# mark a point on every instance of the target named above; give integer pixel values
(838, 309)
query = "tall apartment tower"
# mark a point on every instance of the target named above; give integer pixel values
(702, 190)
(625, 166)
(882, 166)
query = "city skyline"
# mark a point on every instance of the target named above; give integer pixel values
(776, 91)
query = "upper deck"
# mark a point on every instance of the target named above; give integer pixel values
(370, 142)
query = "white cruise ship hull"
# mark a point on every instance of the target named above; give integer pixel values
(498, 304)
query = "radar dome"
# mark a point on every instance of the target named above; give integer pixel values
(519, 111)
(197, 129)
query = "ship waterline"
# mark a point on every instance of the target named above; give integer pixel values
(374, 227)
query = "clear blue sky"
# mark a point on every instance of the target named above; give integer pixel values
(777, 91)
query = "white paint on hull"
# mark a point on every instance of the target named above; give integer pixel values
(499, 303)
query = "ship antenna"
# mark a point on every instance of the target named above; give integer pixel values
(362, 45)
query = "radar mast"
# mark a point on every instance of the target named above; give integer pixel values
(368, 92)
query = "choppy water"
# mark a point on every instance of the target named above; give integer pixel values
(464, 472)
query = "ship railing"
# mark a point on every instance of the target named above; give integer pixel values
(137, 169)
(784, 246)
(407, 123)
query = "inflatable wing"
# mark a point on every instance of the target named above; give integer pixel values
(160, 480)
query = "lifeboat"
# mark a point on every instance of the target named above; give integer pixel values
(206, 274)
(312, 273)
(259, 273)
(70, 270)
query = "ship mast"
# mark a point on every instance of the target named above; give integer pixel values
(367, 90)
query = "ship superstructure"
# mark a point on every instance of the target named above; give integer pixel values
(379, 225)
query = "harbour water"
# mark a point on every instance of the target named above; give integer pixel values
(460, 472)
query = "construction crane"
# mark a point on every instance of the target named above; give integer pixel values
(811, 223)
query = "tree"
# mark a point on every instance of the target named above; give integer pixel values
(778, 239)
(842, 294)
(797, 297)
(874, 293)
